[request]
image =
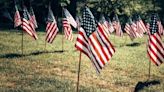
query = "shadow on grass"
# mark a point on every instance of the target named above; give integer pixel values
(11, 55)
(134, 44)
(15, 55)
(46, 52)
(141, 85)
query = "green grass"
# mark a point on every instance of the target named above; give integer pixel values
(48, 70)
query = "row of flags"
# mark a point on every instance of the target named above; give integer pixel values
(92, 37)
(29, 24)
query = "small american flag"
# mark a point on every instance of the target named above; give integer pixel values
(51, 29)
(155, 44)
(134, 29)
(32, 17)
(129, 31)
(104, 24)
(140, 25)
(67, 29)
(117, 26)
(17, 18)
(110, 25)
(69, 18)
(26, 24)
(160, 26)
(93, 41)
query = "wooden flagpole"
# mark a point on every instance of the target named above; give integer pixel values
(62, 32)
(22, 45)
(78, 77)
(22, 42)
(45, 44)
(149, 71)
(125, 40)
(149, 74)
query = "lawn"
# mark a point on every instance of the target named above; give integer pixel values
(47, 69)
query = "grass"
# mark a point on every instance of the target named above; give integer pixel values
(48, 70)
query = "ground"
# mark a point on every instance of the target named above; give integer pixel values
(44, 68)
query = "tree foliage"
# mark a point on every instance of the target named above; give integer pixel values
(124, 8)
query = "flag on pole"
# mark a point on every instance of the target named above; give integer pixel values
(160, 26)
(67, 29)
(155, 45)
(140, 25)
(32, 18)
(93, 41)
(134, 29)
(128, 29)
(17, 18)
(32, 25)
(51, 29)
(69, 18)
(117, 26)
(104, 24)
(26, 24)
(110, 25)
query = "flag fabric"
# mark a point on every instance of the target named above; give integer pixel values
(148, 28)
(67, 29)
(32, 25)
(129, 31)
(110, 25)
(160, 27)
(117, 26)
(134, 29)
(69, 18)
(93, 41)
(17, 18)
(104, 24)
(51, 28)
(32, 18)
(140, 25)
(26, 24)
(155, 45)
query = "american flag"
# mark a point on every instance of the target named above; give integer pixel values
(104, 24)
(69, 18)
(51, 29)
(93, 41)
(32, 25)
(17, 18)
(26, 24)
(32, 17)
(67, 29)
(129, 31)
(134, 29)
(160, 26)
(140, 25)
(155, 44)
(117, 26)
(110, 25)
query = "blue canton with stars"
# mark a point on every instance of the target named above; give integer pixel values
(88, 22)
(153, 24)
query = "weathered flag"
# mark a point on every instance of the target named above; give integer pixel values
(93, 41)
(69, 18)
(51, 29)
(17, 18)
(155, 48)
(26, 24)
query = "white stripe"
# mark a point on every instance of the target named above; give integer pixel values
(153, 56)
(89, 54)
(110, 48)
(98, 47)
